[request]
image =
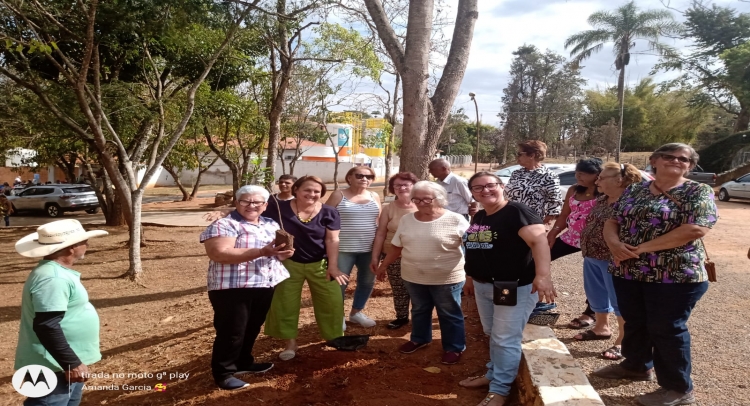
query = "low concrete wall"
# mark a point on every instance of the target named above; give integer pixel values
(549, 375)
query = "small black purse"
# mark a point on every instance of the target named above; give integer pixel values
(505, 293)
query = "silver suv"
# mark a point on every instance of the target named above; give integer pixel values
(56, 199)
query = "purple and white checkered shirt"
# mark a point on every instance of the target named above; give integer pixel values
(262, 272)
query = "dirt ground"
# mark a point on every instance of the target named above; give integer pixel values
(165, 328)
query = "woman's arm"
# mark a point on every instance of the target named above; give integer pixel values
(392, 256)
(222, 250)
(620, 251)
(676, 238)
(561, 219)
(335, 198)
(377, 245)
(332, 250)
(534, 236)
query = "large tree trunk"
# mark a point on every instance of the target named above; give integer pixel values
(391, 137)
(425, 117)
(197, 183)
(621, 99)
(743, 119)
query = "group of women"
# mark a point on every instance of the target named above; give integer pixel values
(640, 242)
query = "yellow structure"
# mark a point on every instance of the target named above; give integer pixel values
(370, 127)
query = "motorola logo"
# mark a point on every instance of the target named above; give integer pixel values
(34, 381)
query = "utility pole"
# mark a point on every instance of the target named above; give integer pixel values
(476, 153)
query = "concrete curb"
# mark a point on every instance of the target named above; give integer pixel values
(549, 375)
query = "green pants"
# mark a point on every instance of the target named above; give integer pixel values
(283, 319)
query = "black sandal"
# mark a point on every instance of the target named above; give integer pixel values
(398, 323)
(589, 335)
(614, 350)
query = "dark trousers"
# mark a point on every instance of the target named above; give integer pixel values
(238, 316)
(561, 249)
(656, 333)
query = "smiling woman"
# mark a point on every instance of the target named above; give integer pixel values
(243, 270)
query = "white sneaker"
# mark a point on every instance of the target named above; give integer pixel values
(362, 320)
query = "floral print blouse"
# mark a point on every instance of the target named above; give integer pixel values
(592, 237)
(538, 188)
(576, 221)
(644, 216)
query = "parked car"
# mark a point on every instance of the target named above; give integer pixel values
(568, 179)
(56, 199)
(735, 189)
(697, 174)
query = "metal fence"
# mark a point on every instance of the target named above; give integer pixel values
(458, 160)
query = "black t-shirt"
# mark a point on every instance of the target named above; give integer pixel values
(495, 251)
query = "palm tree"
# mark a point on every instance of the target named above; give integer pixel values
(623, 27)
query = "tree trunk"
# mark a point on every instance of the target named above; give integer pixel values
(425, 117)
(743, 119)
(176, 177)
(389, 142)
(621, 99)
(135, 271)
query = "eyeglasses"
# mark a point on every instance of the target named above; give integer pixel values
(520, 153)
(426, 200)
(245, 203)
(670, 158)
(489, 186)
(363, 176)
(622, 170)
(404, 186)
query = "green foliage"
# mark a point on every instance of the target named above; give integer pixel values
(334, 42)
(718, 156)
(652, 116)
(463, 131)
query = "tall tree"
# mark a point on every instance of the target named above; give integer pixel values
(424, 115)
(623, 27)
(163, 49)
(715, 60)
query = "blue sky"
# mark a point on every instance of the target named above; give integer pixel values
(504, 25)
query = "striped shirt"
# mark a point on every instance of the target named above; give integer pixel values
(264, 272)
(359, 223)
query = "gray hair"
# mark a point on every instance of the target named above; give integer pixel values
(252, 190)
(675, 146)
(439, 193)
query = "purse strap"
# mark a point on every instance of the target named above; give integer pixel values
(679, 205)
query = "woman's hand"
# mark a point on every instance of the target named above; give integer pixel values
(381, 273)
(546, 290)
(621, 252)
(216, 215)
(277, 251)
(338, 276)
(374, 266)
(551, 238)
(469, 287)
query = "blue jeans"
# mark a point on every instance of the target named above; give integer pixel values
(600, 290)
(504, 325)
(365, 277)
(64, 394)
(446, 299)
(656, 333)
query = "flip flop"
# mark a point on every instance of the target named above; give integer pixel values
(613, 350)
(577, 323)
(486, 401)
(472, 379)
(589, 335)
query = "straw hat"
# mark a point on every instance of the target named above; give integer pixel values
(53, 237)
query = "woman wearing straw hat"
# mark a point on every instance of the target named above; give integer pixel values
(59, 326)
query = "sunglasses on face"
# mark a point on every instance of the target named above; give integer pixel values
(426, 200)
(363, 176)
(670, 158)
(489, 186)
(245, 203)
(520, 153)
